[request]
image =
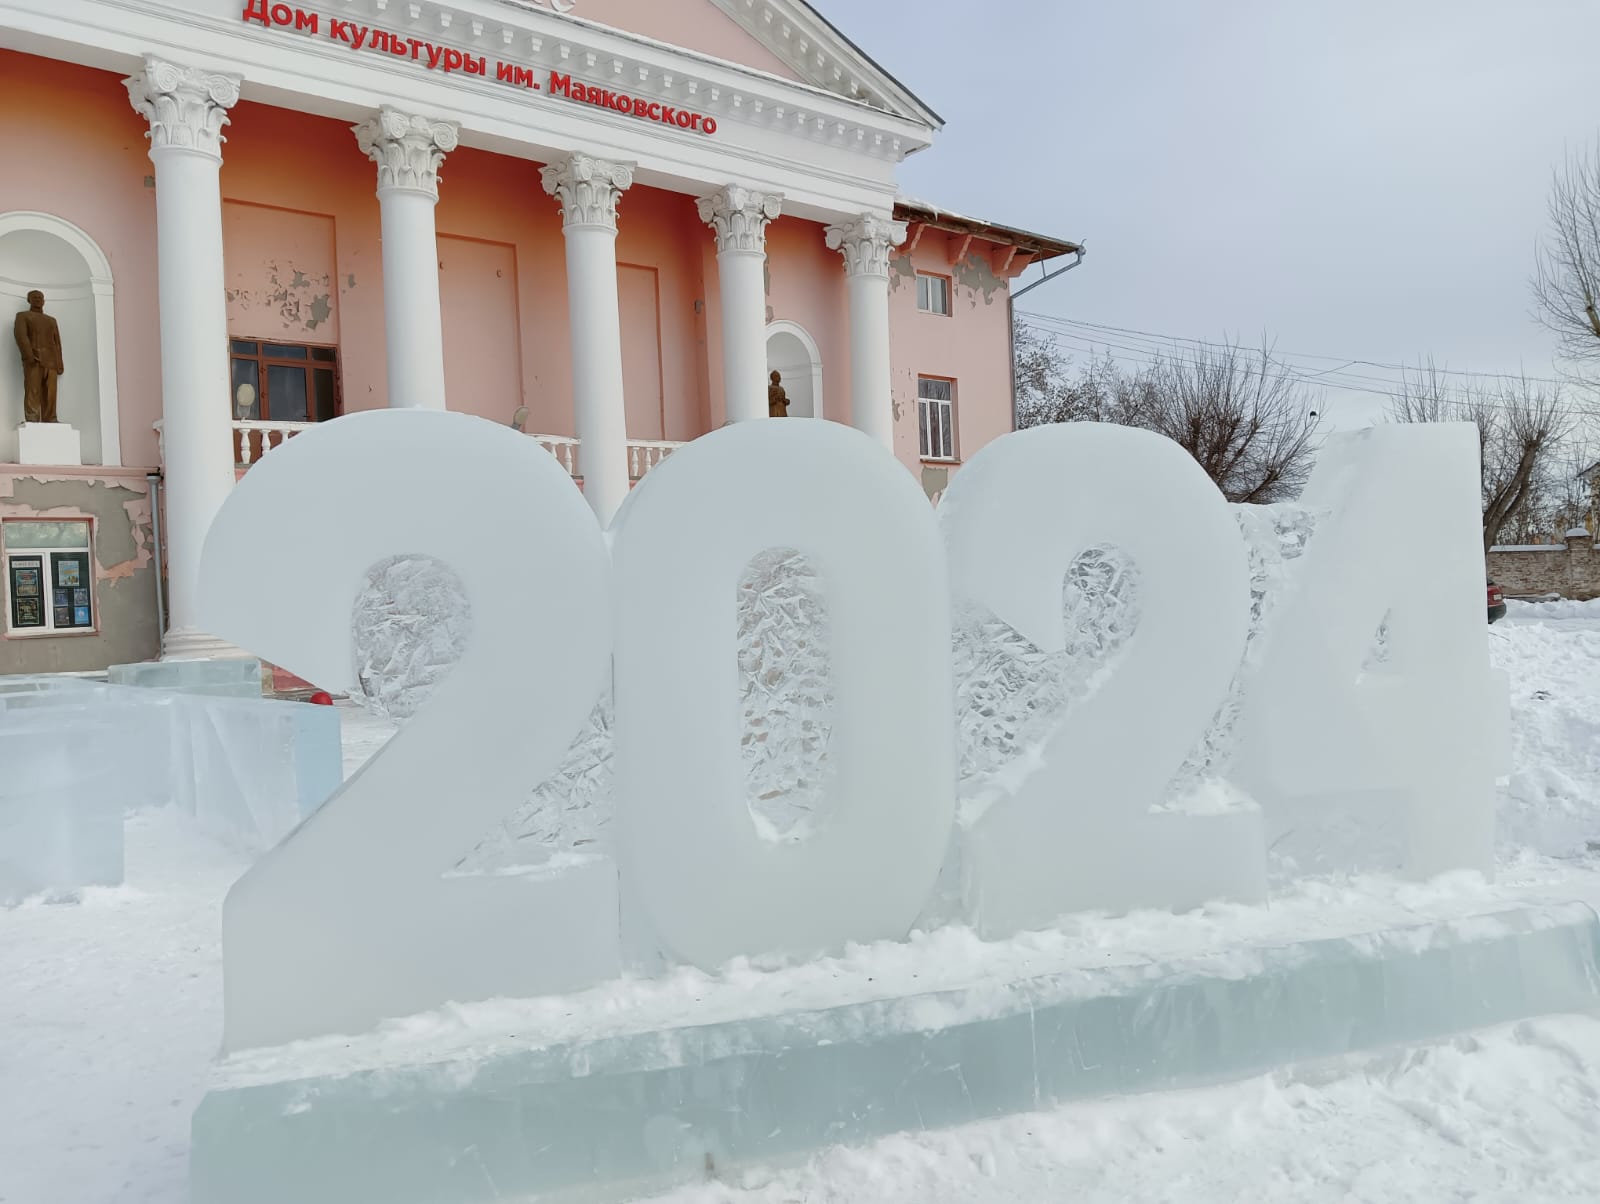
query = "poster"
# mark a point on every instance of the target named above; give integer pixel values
(63, 616)
(81, 616)
(80, 597)
(69, 572)
(27, 582)
(29, 613)
(61, 598)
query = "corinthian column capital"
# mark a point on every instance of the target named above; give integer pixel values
(408, 149)
(587, 189)
(185, 106)
(739, 216)
(865, 243)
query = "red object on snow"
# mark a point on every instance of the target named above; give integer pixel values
(322, 699)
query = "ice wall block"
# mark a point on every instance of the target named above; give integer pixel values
(60, 813)
(234, 677)
(626, 1110)
(257, 767)
(249, 769)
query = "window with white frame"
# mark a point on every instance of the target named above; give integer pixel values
(48, 581)
(933, 294)
(936, 417)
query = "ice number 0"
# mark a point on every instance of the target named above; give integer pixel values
(355, 916)
(694, 867)
(1082, 829)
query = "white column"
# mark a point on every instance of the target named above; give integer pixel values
(865, 244)
(588, 190)
(408, 150)
(740, 217)
(187, 108)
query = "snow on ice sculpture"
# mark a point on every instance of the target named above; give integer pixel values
(1382, 761)
(697, 872)
(355, 916)
(1081, 829)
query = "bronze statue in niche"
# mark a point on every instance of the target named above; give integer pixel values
(39, 341)
(777, 398)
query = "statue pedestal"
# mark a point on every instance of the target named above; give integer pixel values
(48, 443)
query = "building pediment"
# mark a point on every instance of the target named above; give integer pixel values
(786, 38)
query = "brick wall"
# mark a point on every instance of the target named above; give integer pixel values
(1571, 569)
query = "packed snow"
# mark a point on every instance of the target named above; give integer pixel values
(110, 1019)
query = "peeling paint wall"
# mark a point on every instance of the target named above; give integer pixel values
(124, 569)
(280, 271)
(972, 346)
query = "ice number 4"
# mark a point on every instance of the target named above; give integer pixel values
(1371, 750)
(700, 882)
(1083, 830)
(355, 916)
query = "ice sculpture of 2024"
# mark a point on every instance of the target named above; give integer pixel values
(356, 917)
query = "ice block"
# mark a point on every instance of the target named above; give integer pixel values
(60, 810)
(224, 677)
(629, 1107)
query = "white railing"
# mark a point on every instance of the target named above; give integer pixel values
(564, 448)
(252, 440)
(643, 454)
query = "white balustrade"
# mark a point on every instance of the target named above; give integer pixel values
(564, 448)
(643, 454)
(252, 440)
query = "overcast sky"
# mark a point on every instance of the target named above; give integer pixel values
(1363, 179)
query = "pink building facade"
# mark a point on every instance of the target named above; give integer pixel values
(604, 222)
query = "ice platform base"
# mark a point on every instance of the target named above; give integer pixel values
(503, 1115)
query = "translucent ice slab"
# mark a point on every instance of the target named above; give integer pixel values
(252, 769)
(235, 677)
(627, 1107)
(249, 769)
(60, 814)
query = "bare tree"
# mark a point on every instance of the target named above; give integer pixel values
(1248, 420)
(1566, 283)
(1521, 428)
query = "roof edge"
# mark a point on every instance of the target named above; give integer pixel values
(1040, 246)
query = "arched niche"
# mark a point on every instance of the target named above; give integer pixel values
(792, 351)
(45, 252)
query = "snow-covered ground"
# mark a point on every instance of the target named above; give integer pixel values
(110, 1015)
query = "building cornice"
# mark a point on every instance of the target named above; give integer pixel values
(547, 40)
(830, 157)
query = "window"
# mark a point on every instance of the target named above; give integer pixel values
(49, 582)
(936, 419)
(933, 294)
(284, 382)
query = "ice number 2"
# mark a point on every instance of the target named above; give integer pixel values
(1082, 830)
(355, 916)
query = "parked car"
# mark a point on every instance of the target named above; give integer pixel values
(1497, 602)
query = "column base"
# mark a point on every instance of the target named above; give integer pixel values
(192, 644)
